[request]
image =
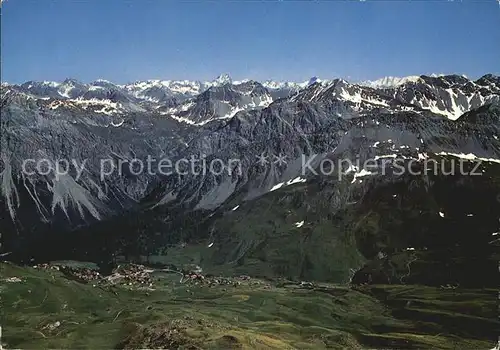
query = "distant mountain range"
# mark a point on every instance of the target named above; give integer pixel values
(198, 102)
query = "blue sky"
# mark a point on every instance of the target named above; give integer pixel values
(128, 40)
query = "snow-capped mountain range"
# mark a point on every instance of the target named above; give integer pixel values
(390, 82)
(152, 90)
(198, 102)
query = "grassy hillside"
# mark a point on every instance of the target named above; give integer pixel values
(44, 309)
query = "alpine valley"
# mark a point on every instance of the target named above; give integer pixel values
(410, 256)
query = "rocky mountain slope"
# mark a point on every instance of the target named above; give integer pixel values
(274, 131)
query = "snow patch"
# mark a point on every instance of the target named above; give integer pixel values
(422, 156)
(469, 156)
(299, 224)
(362, 173)
(386, 156)
(288, 183)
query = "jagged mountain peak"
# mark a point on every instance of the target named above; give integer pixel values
(72, 81)
(103, 83)
(223, 79)
(488, 79)
(445, 80)
(312, 80)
